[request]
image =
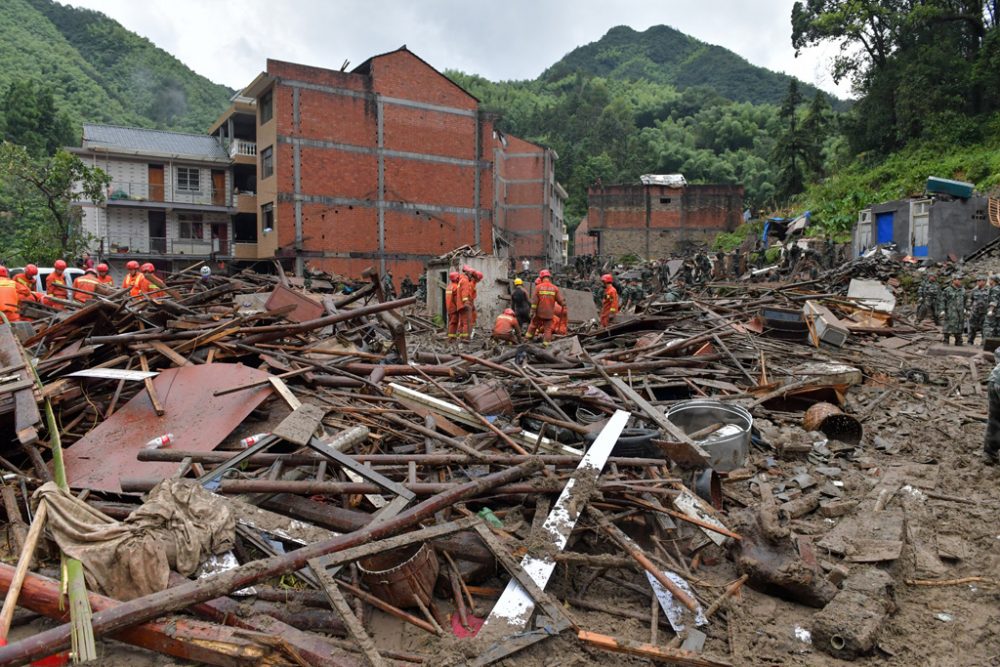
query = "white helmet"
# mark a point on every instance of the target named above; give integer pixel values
(206, 271)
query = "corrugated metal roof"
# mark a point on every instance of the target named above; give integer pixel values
(160, 142)
(670, 180)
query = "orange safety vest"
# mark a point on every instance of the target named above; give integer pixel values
(504, 325)
(610, 303)
(465, 289)
(106, 279)
(84, 285)
(24, 285)
(546, 297)
(55, 285)
(134, 283)
(9, 298)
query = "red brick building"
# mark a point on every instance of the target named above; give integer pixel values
(583, 242)
(389, 164)
(529, 202)
(654, 220)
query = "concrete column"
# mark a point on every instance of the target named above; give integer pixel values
(297, 177)
(380, 201)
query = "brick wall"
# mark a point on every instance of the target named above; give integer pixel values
(329, 124)
(525, 184)
(656, 221)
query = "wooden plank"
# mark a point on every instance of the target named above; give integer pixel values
(660, 419)
(169, 353)
(662, 654)
(154, 398)
(285, 392)
(354, 625)
(512, 611)
(300, 426)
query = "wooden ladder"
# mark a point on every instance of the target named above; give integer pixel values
(994, 212)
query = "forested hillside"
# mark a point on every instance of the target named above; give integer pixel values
(99, 71)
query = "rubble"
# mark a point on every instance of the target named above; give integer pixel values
(692, 485)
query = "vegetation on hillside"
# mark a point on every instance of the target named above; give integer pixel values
(99, 71)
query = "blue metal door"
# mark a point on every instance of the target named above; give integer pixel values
(883, 222)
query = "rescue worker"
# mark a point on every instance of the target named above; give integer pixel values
(477, 276)
(506, 327)
(520, 303)
(452, 304)
(560, 323)
(543, 305)
(465, 303)
(9, 296)
(55, 283)
(928, 295)
(609, 304)
(28, 280)
(133, 280)
(991, 446)
(103, 277)
(151, 284)
(978, 305)
(952, 310)
(85, 285)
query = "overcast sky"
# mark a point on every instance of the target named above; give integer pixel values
(228, 41)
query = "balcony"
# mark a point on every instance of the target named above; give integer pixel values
(243, 151)
(151, 195)
(150, 246)
(245, 250)
(246, 202)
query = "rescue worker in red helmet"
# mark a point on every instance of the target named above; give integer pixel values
(560, 323)
(9, 296)
(543, 307)
(152, 284)
(506, 327)
(465, 301)
(133, 280)
(27, 282)
(103, 276)
(452, 305)
(55, 283)
(609, 304)
(476, 277)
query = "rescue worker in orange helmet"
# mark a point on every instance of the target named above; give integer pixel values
(152, 285)
(103, 277)
(83, 287)
(543, 307)
(609, 304)
(9, 296)
(133, 280)
(452, 305)
(506, 327)
(465, 303)
(560, 323)
(55, 283)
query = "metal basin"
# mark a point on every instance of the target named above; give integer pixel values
(728, 446)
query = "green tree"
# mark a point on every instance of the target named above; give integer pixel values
(32, 120)
(815, 131)
(791, 149)
(41, 195)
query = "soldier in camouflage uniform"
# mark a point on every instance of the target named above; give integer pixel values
(422, 287)
(978, 306)
(991, 446)
(928, 294)
(951, 310)
(991, 325)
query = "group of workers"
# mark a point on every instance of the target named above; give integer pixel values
(543, 314)
(139, 280)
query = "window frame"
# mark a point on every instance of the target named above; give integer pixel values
(267, 162)
(267, 211)
(185, 186)
(266, 106)
(192, 222)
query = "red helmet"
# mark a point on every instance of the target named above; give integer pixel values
(31, 270)
(538, 280)
(60, 265)
(102, 268)
(3, 272)
(147, 267)
(466, 268)
(508, 311)
(478, 274)
(132, 265)
(544, 273)
(608, 278)
(454, 276)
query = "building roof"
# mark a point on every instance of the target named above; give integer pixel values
(136, 140)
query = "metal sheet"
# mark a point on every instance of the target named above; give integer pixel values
(113, 374)
(198, 419)
(305, 308)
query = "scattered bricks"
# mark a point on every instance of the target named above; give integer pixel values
(850, 625)
(832, 509)
(800, 506)
(837, 574)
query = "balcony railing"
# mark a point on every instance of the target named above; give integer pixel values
(158, 245)
(124, 191)
(242, 147)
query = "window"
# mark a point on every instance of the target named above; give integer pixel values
(267, 162)
(664, 200)
(266, 106)
(267, 218)
(188, 179)
(190, 226)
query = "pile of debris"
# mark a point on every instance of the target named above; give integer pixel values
(274, 475)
